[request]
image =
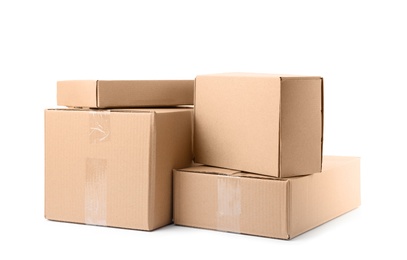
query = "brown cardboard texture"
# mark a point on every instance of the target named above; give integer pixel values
(260, 123)
(228, 200)
(114, 167)
(124, 93)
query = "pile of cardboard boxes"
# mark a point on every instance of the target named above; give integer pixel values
(233, 152)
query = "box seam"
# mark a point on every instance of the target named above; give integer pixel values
(322, 121)
(97, 94)
(279, 168)
(152, 173)
(289, 203)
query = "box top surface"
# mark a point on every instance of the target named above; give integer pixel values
(331, 162)
(127, 110)
(97, 84)
(259, 75)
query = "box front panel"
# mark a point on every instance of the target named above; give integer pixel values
(97, 167)
(237, 122)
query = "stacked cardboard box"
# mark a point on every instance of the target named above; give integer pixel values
(120, 155)
(113, 166)
(259, 138)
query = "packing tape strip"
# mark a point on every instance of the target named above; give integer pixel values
(99, 126)
(96, 179)
(95, 192)
(229, 204)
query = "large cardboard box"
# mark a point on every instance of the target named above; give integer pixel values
(114, 167)
(124, 93)
(227, 200)
(260, 123)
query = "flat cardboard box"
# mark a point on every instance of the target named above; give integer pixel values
(227, 200)
(114, 167)
(260, 123)
(124, 93)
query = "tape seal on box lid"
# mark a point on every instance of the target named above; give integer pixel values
(99, 126)
(229, 204)
(95, 192)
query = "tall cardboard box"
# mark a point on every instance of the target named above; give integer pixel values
(114, 167)
(260, 123)
(227, 200)
(124, 93)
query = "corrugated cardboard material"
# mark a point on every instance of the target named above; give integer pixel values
(260, 123)
(114, 167)
(228, 200)
(124, 93)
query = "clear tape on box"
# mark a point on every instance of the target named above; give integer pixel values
(95, 192)
(99, 126)
(229, 204)
(96, 179)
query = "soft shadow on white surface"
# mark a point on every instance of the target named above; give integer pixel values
(358, 47)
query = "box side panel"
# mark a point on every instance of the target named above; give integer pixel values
(77, 93)
(240, 205)
(97, 167)
(66, 139)
(129, 170)
(236, 123)
(301, 126)
(145, 93)
(320, 197)
(173, 150)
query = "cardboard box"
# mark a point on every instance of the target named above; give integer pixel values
(114, 167)
(260, 123)
(227, 200)
(124, 93)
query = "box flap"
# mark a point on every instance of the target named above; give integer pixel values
(229, 172)
(211, 170)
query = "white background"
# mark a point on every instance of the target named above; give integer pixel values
(359, 47)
